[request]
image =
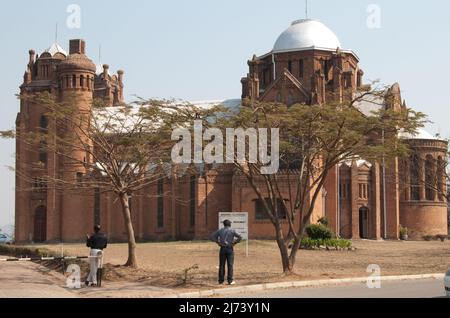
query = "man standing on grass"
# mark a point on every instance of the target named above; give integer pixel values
(97, 242)
(226, 238)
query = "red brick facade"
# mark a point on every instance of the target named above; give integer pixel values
(352, 198)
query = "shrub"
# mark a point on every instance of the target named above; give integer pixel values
(441, 237)
(403, 230)
(323, 221)
(428, 238)
(319, 232)
(309, 243)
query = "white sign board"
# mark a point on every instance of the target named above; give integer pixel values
(239, 222)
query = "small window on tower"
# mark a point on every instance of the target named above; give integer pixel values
(80, 178)
(301, 68)
(43, 123)
(81, 81)
(74, 81)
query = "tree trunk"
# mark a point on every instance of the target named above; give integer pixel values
(132, 260)
(295, 248)
(288, 266)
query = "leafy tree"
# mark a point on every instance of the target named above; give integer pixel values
(313, 140)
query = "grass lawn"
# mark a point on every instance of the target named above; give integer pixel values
(162, 264)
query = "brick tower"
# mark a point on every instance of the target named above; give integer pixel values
(45, 213)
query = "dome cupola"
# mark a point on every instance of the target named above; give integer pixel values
(77, 60)
(307, 34)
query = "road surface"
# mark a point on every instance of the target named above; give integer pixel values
(426, 288)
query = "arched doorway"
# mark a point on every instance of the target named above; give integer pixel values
(40, 224)
(364, 223)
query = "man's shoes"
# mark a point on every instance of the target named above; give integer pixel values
(86, 283)
(232, 283)
(220, 283)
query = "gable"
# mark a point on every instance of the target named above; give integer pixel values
(286, 89)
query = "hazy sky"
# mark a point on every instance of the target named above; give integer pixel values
(198, 49)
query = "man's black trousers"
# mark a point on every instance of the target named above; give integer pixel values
(226, 256)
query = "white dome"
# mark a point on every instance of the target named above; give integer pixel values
(307, 34)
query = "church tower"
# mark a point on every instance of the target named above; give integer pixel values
(45, 213)
(76, 81)
(307, 65)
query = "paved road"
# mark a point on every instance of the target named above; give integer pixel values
(29, 280)
(428, 288)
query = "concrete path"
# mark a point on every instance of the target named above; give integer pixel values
(30, 280)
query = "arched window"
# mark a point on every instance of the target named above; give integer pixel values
(415, 178)
(441, 178)
(290, 100)
(43, 123)
(74, 81)
(81, 81)
(430, 178)
(326, 69)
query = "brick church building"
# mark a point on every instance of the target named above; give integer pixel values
(307, 65)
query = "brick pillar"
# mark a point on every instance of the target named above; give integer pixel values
(377, 200)
(392, 199)
(354, 201)
(331, 201)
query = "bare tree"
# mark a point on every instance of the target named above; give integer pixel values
(114, 149)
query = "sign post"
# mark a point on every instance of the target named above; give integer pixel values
(239, 222)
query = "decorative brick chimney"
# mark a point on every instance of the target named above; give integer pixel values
(77, 46)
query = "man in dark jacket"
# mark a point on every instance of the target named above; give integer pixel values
(226, 238)
(97, 242)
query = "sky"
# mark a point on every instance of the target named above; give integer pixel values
(198, 49)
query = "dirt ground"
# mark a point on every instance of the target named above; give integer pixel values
(162, 264)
